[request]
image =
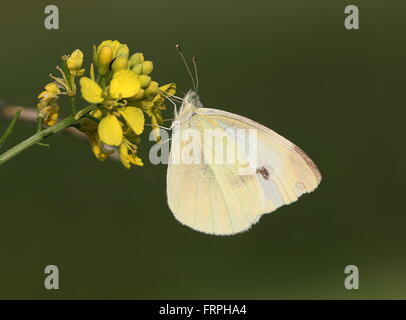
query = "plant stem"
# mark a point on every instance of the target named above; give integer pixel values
(85, 110)
(40, 121)
(72, 101)
(11, 153)
(89, 116)
(10, 128)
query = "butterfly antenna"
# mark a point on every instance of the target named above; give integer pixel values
(196, 74)
(186, 65)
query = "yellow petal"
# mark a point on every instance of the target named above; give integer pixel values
(124, 84)
(95, 145)
(124, 156)
(47, 95)
(110, 131)
(91, 91)
(134, 118)
(129, 157)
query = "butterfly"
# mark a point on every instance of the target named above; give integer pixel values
(214, 197)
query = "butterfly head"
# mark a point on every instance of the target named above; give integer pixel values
(192, 98)
(191, 102)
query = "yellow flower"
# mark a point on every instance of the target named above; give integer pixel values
(75, 62)
(50, 115)
(169, 89)
(121, 94)
(51, 91)
(47, 106)
(53, 88)
(128, 155)
(125, 84)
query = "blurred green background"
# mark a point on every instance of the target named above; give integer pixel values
(291, 65)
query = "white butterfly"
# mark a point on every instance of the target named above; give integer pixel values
(215, 198)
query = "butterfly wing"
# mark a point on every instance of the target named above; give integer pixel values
(216, 198)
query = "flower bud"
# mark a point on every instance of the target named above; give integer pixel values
(120, 63)
(152, 88)
(123, 50)
(136, 58)
(140, 94)
(95, 56)
(92, 72)
(75, 60)
(145, 81)
(105, 58)
(137, 69)
(147, 67)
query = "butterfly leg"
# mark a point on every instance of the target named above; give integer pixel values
(162, 127)
(175, 107)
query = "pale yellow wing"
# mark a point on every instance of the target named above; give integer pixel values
(216, 199)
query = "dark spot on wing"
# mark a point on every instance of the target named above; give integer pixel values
(263, 172)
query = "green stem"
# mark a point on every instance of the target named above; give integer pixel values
(72, 101)
(85, 110)
(10, 128)
(11, 153)
(89, 116)
(40, 121)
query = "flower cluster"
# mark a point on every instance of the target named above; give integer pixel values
(121, 93)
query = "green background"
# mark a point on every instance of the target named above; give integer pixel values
(291, 65)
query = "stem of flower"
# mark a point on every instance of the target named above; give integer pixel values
(72, 101)
(11, 153)
(85, 110)
(40, 121)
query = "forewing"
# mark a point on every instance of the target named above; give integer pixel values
(216, 198)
